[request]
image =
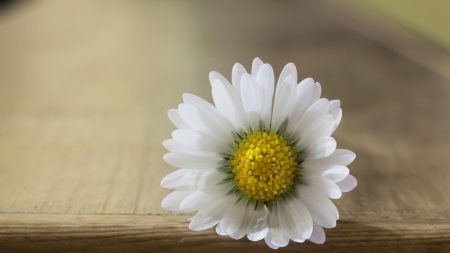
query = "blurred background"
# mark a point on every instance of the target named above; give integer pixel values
(427, 18)
(85, 87)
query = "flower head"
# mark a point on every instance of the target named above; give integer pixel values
(255, 167)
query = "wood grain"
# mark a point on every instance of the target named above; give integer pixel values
(139, 233)
(85, 87)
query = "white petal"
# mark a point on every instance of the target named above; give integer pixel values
(301, 217)
(204, 122)
(336, 173)
(319, 109)
(268, 240)
(174, 180)
(301, 87)
(289, 69)
(211, 215)
(266, 79)
(252, 99)
(347, 184)
(201, 179)
(232, 220)
(258, 226)
(257, 63)
(236, 75)
(205, 197)
(276, 233)
(190, 115)
(219, 230)
(284, 100)
(320, 213)
(338, 157)
(323, 185)
(221, 99)
(320, 128)
(337, 116)
(317, 91)
(202, 141)
(208, 108)
(242, 231)
(213, 76)
(308, 93)
(181, 149)
(318, 235)
(172, 201)
(321, 148)
(335, 104)
(194, 163)
(326, 202)
(176, 119)
(199, 102)
(287, 223)
(229, 104)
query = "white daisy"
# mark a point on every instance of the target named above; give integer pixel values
(256, 168)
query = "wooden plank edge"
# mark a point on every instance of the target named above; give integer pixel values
(143, 233)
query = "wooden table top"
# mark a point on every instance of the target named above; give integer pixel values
(85, 87)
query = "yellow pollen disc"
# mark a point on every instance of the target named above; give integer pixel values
(264, 166)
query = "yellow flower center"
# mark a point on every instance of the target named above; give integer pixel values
(264, 166)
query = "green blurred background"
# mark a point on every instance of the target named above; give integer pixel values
(431, 19)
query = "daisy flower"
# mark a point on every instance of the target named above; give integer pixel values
(257, 168)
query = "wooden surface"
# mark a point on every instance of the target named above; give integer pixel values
(85, 87)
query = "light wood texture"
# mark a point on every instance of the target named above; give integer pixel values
(85, 87)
